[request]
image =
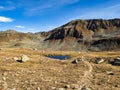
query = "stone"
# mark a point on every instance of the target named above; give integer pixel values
(5, 73)
(117, 61)
(38, 88)
(74, 86)
(56, 82)
(61, 89)
(4, 78)
(76, 61)
(110, 73)
(99, 60)
(67, 86)
(53, 88)
(16, 58)
(25, 58)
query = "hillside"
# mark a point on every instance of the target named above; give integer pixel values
(77, 35)
(93, 33)
(85, 28)
(14, 39)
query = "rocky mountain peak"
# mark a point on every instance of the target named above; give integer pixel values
(83, 28)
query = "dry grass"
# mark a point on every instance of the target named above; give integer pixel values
(47, 73)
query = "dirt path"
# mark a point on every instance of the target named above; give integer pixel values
(87, 75)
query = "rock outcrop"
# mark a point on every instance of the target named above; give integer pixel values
(85, 28)
(93, 34)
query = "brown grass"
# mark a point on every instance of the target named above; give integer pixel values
(46, 73)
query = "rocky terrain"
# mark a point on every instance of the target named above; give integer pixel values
(86, 28)
(92, 45)
(84, 71)
(93, 34)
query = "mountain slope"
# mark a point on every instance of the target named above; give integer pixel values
(85, 28)
(93, 34)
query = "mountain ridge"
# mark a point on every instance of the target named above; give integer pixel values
(79, 28)
(92, 34)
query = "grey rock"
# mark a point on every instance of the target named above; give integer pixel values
(56, 82)
(117, 61)
(67, 86)
(16, 58)
(4, 78)
(74, 86)
(1, 49)
(86, 88)
(5, 73)
(53, 88)
(61, 89)
(76, 61)
(25, 58)
(38, 88)
(99, 60)
(110, 73)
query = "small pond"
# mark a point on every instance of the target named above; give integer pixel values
(60, 57)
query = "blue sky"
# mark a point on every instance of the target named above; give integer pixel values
(44, 15)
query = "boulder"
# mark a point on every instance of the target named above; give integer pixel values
(117, 61)
(67, 86)
(76, 61)
(110, 73)
(25, 58)
(99, 60)
(16, 58)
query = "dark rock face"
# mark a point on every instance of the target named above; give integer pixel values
(83, 28)
(107, 44)
(96, 33)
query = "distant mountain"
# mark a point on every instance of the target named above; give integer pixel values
(13, 35)
(84, 28)
(98, 34)
(12, 39)
(92, 35)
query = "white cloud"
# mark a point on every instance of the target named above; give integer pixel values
(19, 26)
(5, 19)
